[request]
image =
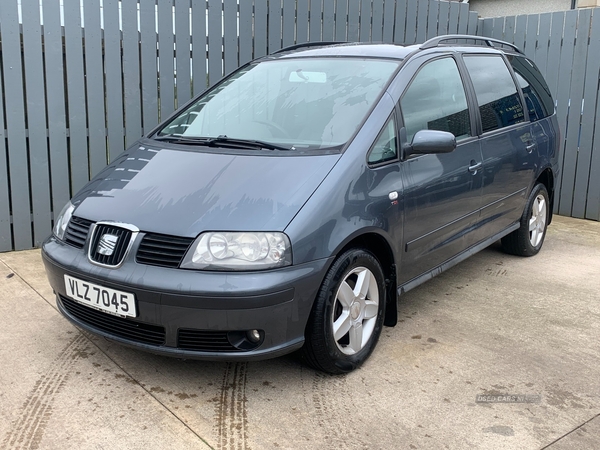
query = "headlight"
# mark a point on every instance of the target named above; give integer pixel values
(238, 251)
(63, 220)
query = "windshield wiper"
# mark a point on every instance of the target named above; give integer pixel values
(221, 141)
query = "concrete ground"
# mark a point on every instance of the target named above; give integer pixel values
(495, 324)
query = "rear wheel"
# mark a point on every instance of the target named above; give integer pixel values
(528, 239)
(347, 317)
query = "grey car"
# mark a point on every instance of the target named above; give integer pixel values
(288, 206)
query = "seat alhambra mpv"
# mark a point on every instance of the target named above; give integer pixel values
(286, 207)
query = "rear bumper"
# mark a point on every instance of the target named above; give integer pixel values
(191, 314)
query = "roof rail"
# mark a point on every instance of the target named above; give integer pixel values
(437, 41)
(306, 45)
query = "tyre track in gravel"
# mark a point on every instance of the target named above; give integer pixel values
(335, 411)
(230, 413)
(28, 429)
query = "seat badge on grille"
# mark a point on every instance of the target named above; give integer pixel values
(107, 244)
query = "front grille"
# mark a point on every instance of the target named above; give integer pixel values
(120, 247)
(162, 250)
(204, 341)
(117, 326)
(77, 231)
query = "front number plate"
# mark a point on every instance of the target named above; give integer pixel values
(98, 297)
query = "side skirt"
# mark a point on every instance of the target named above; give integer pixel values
(455, 260)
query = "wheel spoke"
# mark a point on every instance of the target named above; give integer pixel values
(345, 295)
(536, 208)
(371, 309)
(532, 223)
(362, 283)
(356, 337)
(342, 325)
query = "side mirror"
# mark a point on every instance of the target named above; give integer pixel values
(431, 141)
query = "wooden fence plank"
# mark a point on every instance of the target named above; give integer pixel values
(365, 21)
(576, 83)
(274, 31)
(230, 36)
(246, 35)
(289, 23)
(199, 44)
(149, 68)
(260, 28)
(509, 29)
(473, 23)
(328, 20)
(488, 27)
(94, 87)
(36, 120)
(166, 66)
(586, 197)
(520, 28)
(377, 21)
(400, 28)
(552, 65)
(541, 52)
(215, 40)
(410, 35)
(432, 19)
(15, 124)
(443, 18)
(6, 242)
(353, 20)
(531, 35)
(314, 20)
(78, 151)
(302, 21)
(55, 104)
(562, 99)
(463, 18)
(498, 28)
(422, 14)
(388, 21)
(182, 51)
(453, 21)
(131, 73)
(114, 87)
(341, 19)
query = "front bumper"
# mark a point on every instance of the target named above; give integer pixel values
(212, 306)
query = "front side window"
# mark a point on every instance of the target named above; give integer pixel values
(436, 100)
(499, 102)
(301, 103)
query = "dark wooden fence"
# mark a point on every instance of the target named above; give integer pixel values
(77, 92)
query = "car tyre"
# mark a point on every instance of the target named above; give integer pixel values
(528, 239)
(347, 316)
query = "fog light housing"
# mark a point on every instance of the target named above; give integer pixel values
(253, 335)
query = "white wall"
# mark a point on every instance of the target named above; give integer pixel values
(497, 8)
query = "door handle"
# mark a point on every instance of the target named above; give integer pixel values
(530, 147)
(474, 167)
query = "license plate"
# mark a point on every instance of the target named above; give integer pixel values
(111, 301)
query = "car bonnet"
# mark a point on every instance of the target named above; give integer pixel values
(184, 193)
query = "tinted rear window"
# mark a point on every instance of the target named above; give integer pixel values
(497, 96)
(535, 90)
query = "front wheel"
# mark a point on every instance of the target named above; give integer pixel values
(528, 239)
(347, 317)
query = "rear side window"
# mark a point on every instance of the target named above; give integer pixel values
(535, 90)
(499, 102)
(435, 100)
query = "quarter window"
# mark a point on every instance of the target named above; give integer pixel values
(499, 102)
(386, 146)
(436, 100)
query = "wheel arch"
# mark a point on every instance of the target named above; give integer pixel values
(546, 177)
(378, 245)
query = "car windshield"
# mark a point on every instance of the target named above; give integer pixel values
(302, 103)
